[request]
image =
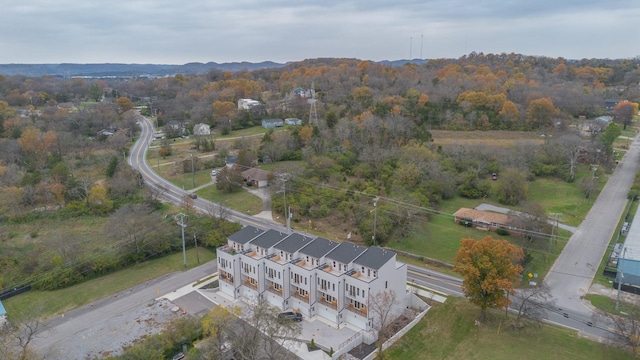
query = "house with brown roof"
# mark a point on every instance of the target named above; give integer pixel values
(484, 220)
(257, 177)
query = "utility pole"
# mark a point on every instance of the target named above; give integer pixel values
(375, 219)
(193, 172)
(184, 249)
(195, 240)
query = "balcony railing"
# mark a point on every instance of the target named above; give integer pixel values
(333, 304)
(361, 311)
(274, 290)
(304, 298)
(226, 278)
(248, 283)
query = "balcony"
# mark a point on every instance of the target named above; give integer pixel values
(297, 295)
(226, 277)
(362, 311)
(274, 290)
(333, 304)
(250, 283)
(228, 249)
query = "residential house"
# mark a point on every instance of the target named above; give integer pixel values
(610, 104)
(315, 276)
(272, 123)
(201, 129)
(257, 177)
(483, 220)
(231, 160)
(247, 104)
(293, 121)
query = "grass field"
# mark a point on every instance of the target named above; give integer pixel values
(448, 332)
(49, 303)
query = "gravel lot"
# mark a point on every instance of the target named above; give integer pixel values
(111, 336)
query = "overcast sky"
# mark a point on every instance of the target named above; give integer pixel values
(178, 32)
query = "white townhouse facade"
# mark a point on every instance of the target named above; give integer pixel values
(315, 276)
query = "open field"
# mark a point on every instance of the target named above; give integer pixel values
(448, 332)
(492, 137)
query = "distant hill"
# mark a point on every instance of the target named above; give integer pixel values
(125, 70)
(150, 70)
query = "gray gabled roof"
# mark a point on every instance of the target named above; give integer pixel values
(269, 238)
(245, 235)
(346, 252)
(319, 247)
(374, 257)
(293, 243)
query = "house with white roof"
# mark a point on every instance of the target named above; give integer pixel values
(315, 276)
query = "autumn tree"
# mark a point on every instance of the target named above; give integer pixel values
(489, 268)
(124, 104)
(541, 112)
(624, 112)
(217, 328)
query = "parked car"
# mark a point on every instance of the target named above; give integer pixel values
(178, 356)
(290, 315)
(192, 195)
(214, 172)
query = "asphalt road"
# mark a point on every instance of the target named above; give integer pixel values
(571, 275)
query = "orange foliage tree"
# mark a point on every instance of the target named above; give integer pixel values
(489, 268)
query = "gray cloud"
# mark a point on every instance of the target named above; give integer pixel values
(162, 31)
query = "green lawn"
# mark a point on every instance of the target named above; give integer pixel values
(239, 200)
(49, 303)
(448, 332)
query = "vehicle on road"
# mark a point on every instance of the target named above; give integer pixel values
(290, 315)
(192, 195)
(214, 172)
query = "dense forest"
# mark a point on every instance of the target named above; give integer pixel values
(63, 141)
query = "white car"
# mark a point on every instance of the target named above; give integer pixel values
(214, 172)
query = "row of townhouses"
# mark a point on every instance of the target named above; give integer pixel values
(315, 276)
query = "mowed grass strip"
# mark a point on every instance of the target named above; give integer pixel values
(49, 303)
(448, 332)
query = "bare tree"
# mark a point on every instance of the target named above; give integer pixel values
(15, 341)
(381, 306)
(217, 211)
(531, 304)
(263, 335)
(532, 221)
(627, 328)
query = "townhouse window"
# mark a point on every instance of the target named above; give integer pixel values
(385, 284)
(334, 287)
(305, 281)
